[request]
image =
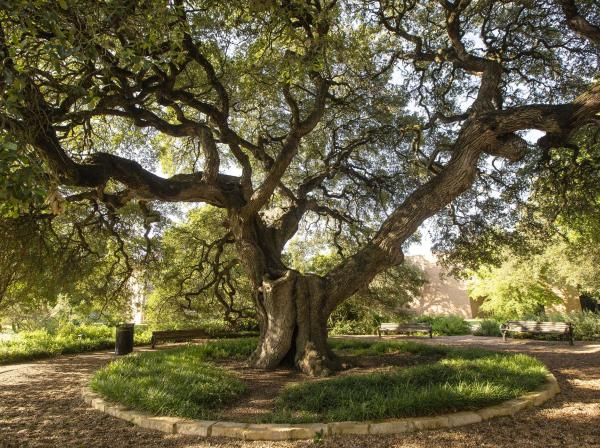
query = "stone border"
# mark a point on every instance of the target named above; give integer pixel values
(248, 431)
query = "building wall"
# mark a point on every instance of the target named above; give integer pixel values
(570, 298)
(441, 294)
(446, 295)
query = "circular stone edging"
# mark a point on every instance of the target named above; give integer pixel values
(250, 431)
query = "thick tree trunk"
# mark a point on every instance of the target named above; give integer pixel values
(293, 324)
(290, 306)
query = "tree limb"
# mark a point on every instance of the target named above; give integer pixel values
(578, 23)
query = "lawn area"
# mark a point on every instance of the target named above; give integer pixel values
(464, 379)
(38, 344)
(178, 382)
(189, 382)
(359, 347)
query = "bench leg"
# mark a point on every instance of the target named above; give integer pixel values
(504, 336)
(431, 335)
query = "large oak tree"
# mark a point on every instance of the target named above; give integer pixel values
(372, 115)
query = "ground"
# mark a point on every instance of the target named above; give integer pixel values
(259, 400)
(40, 406)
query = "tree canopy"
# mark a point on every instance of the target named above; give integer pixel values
(551, 251)
(356, 120)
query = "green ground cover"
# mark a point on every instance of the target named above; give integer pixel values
(187, 382)
(464, 379)
(178, 382)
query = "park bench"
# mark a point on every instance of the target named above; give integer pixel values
(393, 327)
(177, 335)
(531, 326)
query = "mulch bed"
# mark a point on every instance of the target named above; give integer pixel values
(264, 387)
(40, 406)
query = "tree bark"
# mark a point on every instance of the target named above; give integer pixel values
(290, 306)
(293, 324)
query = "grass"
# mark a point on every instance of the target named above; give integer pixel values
(184, 382)
(38, 344)
(465, 379)
(67, 339)
(356, 347)
(238, 349)
(180, 382)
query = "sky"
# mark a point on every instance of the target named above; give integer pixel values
(424, 246)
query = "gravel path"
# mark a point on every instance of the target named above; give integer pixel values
(40, 406)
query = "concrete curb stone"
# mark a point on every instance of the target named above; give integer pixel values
(336, 428)
(463, 418)
(195, 427)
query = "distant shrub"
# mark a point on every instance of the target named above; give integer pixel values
(341, 327)
(488, 327)
(446, 325)
(220, 328)
(215, 328)
(142, 335)
(97, 332)
(586, 324)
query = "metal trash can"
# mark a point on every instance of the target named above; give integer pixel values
(124, 339)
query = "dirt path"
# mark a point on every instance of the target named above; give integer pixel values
(40, 406)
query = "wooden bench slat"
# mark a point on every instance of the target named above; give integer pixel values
(405, 328)
(177, 333)
(531, 326)
(393, 324)
(532, 322)
(167, 335)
